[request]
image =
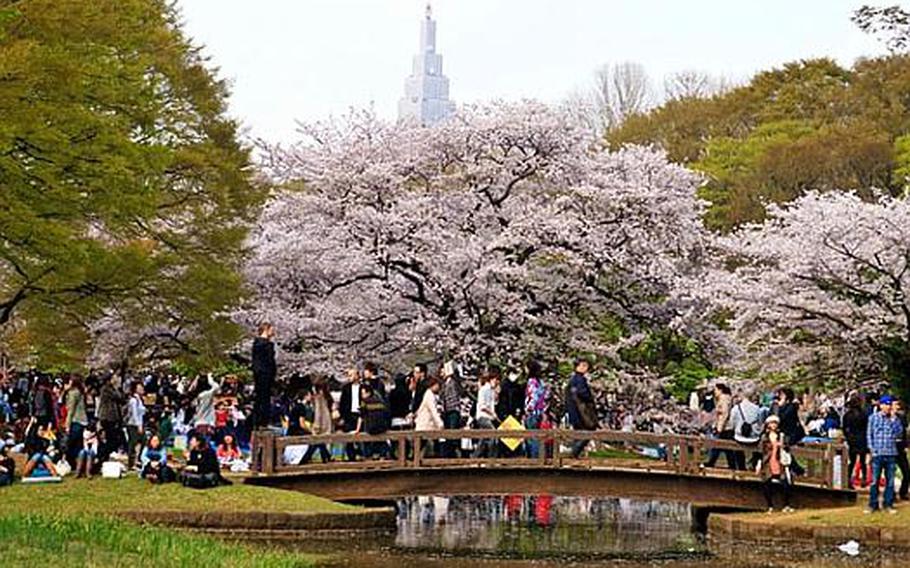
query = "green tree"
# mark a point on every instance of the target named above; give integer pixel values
(808, 125)
(124, 192)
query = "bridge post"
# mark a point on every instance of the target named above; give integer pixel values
(402, 452)
(418, 449)
(263, 450)
(682, 464)
(844, 471)
(541, 437)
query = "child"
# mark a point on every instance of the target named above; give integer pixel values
(85, 461)
(228, 452)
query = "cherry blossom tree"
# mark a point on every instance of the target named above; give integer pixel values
(822, 284)
(502, 232)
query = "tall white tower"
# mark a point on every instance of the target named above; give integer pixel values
(426, 91)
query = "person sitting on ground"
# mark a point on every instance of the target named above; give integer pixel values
(40, 448)
(7, 466)
(153, 462)
(202, 470)
(85, 460)
(228, 452)
(774, 466)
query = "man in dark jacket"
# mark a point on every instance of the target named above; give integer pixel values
(419, 385)
(349, 408)
(110, 416)
(902, 463)
(580, 404)
(264, 372)
(856, 421)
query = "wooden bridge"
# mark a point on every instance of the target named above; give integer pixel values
(677, 475)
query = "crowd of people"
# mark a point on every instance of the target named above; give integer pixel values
(166, 427)
(78, 423)
(873, 427)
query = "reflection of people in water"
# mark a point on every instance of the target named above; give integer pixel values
(512, 504)
(542, 523)
(543, 505)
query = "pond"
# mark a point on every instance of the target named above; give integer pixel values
(519, 531)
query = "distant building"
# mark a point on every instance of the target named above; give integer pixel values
(426, 91)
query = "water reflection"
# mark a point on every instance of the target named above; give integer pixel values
(544, 525)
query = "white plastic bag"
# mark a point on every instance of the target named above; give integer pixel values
(63, 468)
(112, 470)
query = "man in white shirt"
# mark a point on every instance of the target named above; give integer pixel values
(485, 414)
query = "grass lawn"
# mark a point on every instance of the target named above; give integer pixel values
(70, 523)
(36, 540)
(103, 496)
(842, 517)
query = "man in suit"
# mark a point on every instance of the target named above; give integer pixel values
(264, 372)
(349, 409)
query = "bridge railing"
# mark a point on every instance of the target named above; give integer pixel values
(825, 464)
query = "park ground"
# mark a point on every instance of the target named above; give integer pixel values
(77, 523)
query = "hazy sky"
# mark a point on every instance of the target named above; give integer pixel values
(307, 59)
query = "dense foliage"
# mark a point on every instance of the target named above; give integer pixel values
(501, 233)
(811, 125)
(823, 284)
(123, 188)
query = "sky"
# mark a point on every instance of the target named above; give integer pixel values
(290, 60)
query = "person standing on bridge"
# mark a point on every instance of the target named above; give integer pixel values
(428, 418)
(349, 408)
(451, 408)
(485, 413)
(264, 372)
(580, 405)
(537, 396)
(723, 425)
(882, 437)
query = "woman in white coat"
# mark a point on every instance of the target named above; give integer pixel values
(428, 417)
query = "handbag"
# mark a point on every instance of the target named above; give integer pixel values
(63, 468)
(745, 429)
(785, 458)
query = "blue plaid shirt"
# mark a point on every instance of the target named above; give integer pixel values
(882, 434)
